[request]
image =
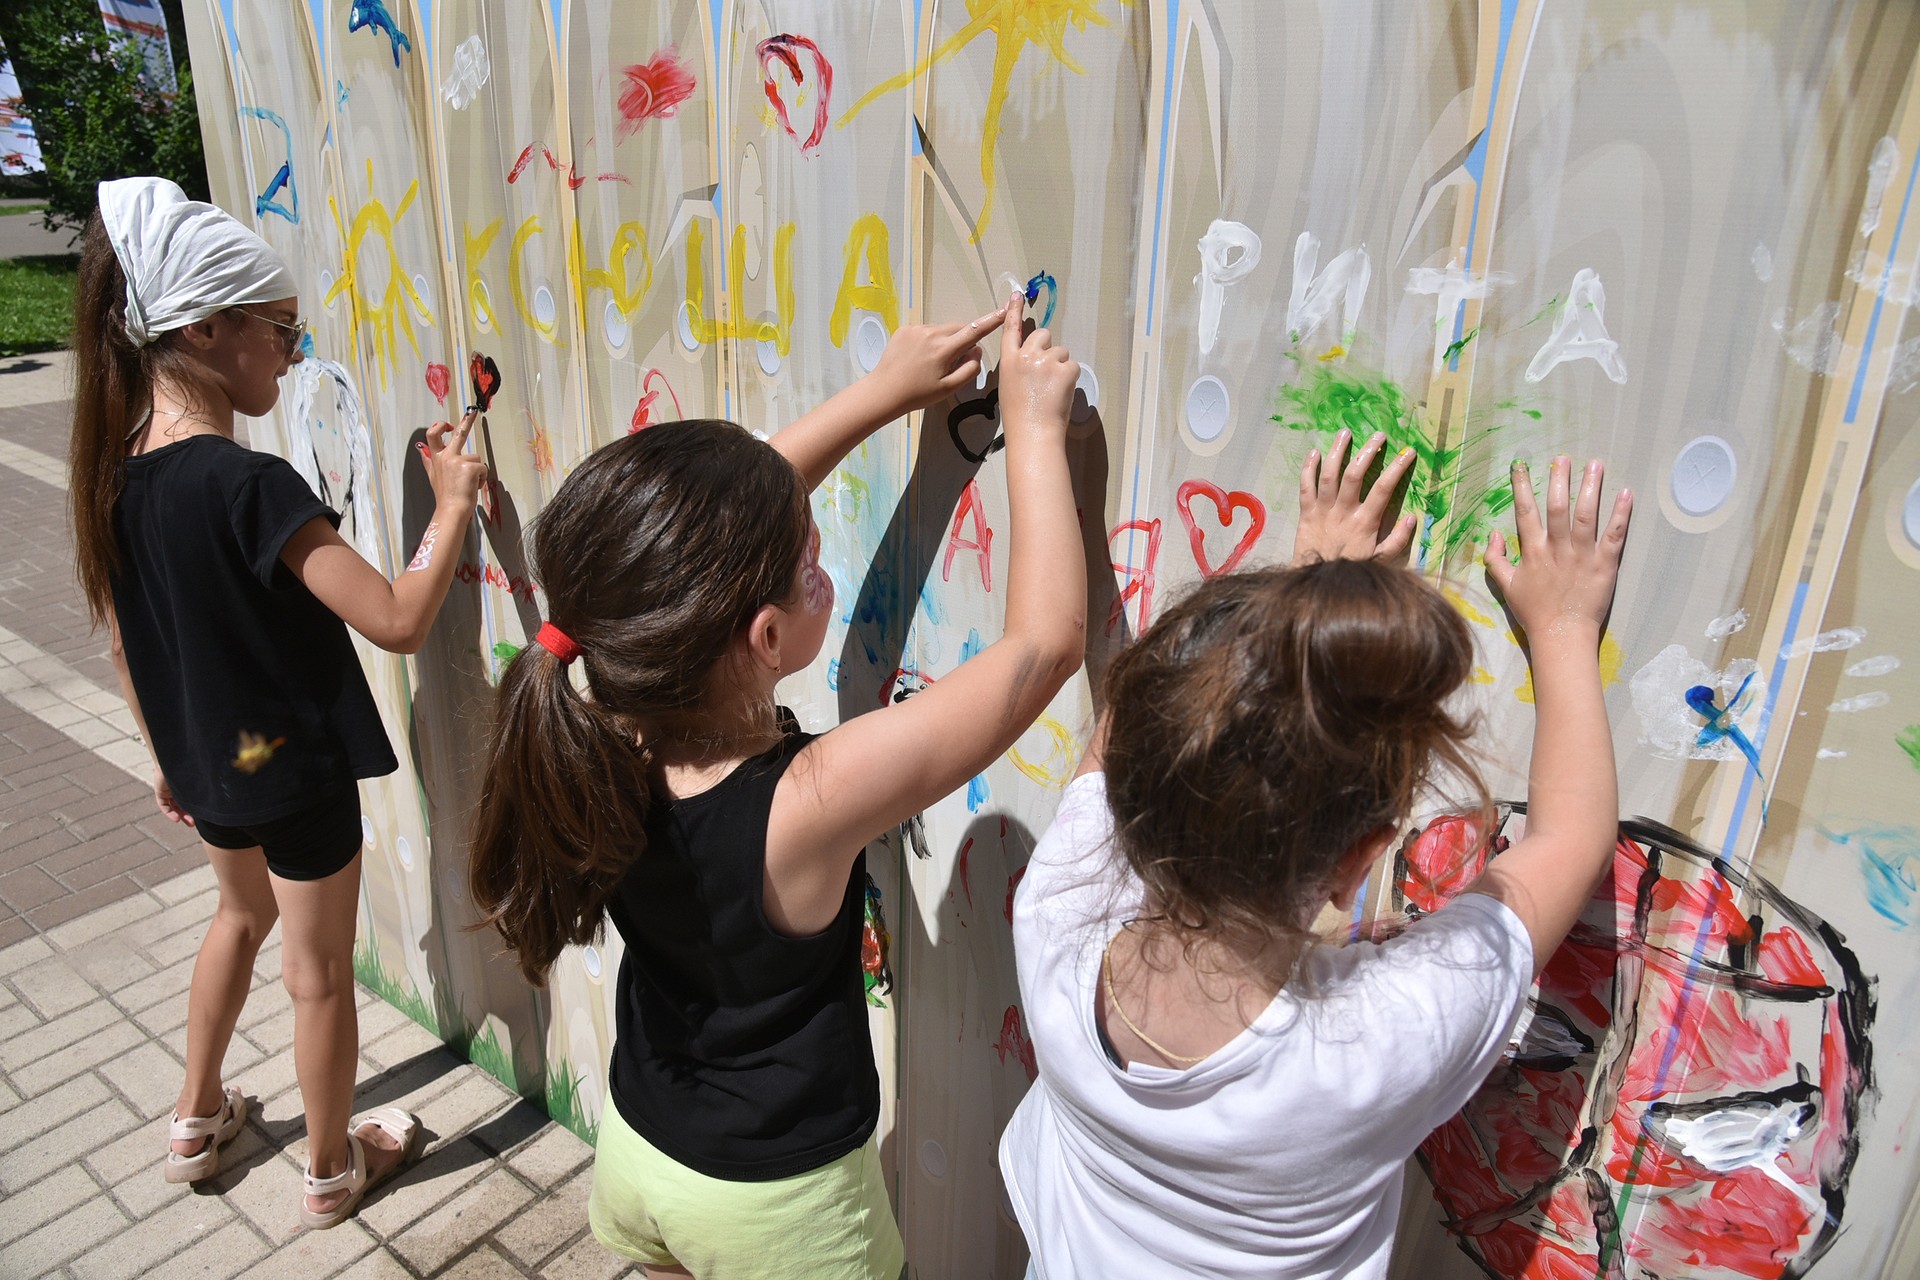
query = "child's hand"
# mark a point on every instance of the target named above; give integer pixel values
(163, 797)
(456, 475)
(1564, 582)
(1336, 523)
(925, 363)
(1036, 378)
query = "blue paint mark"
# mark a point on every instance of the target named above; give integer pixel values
(1042, 280)
(373, 15)
(1760, 738)
(1723, 722)
(833, 675)
(931, 606)
(977, 793)
(1888, 856)
(1880, 300)
(972, 645)
(1160, 183)
(1359, 911)
(306, 345)
(339, 93)
(1476, 161)
(264, 203)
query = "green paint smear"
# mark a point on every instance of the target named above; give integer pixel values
(1455, 348)
(1330, 399)
(1909, 741)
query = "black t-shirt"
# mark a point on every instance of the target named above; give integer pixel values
(740, 1052)
(250, 686)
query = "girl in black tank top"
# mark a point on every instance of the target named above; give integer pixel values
(682, 567)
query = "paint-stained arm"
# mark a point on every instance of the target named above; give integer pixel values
(922, 365)
(396, 615)
(881, 768)
(1561, 592)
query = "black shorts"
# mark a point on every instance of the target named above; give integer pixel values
(309, 845)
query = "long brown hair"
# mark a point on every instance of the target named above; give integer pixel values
(1268, 724)
(654, 554)
(113, 383)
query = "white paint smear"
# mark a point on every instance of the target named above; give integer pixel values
(1875, 666)
(1814, 343)
(467, 74)
(305, 410)
(1826, 642)
(1886, 154)
(1762, 263)
(1581, 332)
(1315, 296)
(1865, 702)
(1721, 628)
(1743, 1135)
(1451, 286)
(1904, 373)
(1670, 726)
(1824, 754)
(1228, 254)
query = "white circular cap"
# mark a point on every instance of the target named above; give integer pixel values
(615, 326)
(484, 296)
(366, 832)
(1910, 515)
(1208, 406)
(543, 304)
(420, 284)
(590, 960)
(1086, 394)
(933, 1158)
(869, 342)
(326, 289)
(405, 850)
(1703, 475)
(683, 327)
(769, 353)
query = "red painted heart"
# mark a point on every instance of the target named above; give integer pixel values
(785, 51)
(485, 376)
(1224, 503)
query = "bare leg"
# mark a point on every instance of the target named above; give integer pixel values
(222, 976)
(316, 963)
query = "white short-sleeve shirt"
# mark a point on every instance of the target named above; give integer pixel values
(1281, 1154)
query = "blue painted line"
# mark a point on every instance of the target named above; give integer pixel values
(1766, 717)
(1476, 162)
(1160, 197)
(1880, 300)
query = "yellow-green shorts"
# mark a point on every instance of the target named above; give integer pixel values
(830, 1223)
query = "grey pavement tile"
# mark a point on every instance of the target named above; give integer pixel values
(402, 1043)
(137, 1152)
(16, 1018)
(58, 1033)
(110, 964)
(240, 1054)
(147, 1192)
(272, 1034)
(264, 1004)
(50, 1110)
(151, 990)
(108, 919)
(312, 1255)
(377, 1265)
(265, 1186)
(423, 1186)
(447, 1231)
(52, 987)
(187, 917)
(549, 1224)
(226, 1252)
(271, 1081)
(92, 1128)
(182, 887)
(164, 1016)
(40, 1252)
(62, 1192)
(95, 1050)
(173, 1230)
(475, 1098)
(484, 1263)
(588, 1259)
(80, 902)
(147, 1077)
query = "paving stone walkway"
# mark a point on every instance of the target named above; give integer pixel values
(102, 908)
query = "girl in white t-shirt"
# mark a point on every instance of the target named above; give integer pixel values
(1219, 1093)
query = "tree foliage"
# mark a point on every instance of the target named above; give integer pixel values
(94, 116)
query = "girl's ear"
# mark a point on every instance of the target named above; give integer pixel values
(1355, 866)
(203, 335)
(763, 637)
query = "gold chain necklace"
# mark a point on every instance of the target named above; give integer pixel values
(1113, 1000)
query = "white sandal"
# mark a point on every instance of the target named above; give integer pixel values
(353, 1180)
(218, 1129)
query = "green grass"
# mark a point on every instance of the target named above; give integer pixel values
(15, 210)
(563, 1102)
(391, 987)
(36, 303)
(486, 1053)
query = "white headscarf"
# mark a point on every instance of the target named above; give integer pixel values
(184, 259)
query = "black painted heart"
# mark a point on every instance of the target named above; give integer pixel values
(987, 409)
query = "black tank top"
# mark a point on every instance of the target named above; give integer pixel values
(740, 1052)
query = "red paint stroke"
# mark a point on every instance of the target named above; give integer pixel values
(1013, 1040)
(1785, 957)
(1224, 503)
(981, 543)
(1447, 857)
(654, 91)
(643, 412)
(526, 158)
(1139, 581)
(494, 576)
(785, 50)
(574, 181)
(1013, 883)
(900, 677)
(439, 381)
(966, 884)
(1747, 1224)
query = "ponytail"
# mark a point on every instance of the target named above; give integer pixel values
(562, 816)
(113, 386)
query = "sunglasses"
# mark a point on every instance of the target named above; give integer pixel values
(295, 334)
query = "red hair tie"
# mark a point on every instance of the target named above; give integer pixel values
(555, 642)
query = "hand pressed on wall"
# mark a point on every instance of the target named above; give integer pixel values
(1338, 521)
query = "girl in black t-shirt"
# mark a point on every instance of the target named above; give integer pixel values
(682, 567)
(228, 590)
